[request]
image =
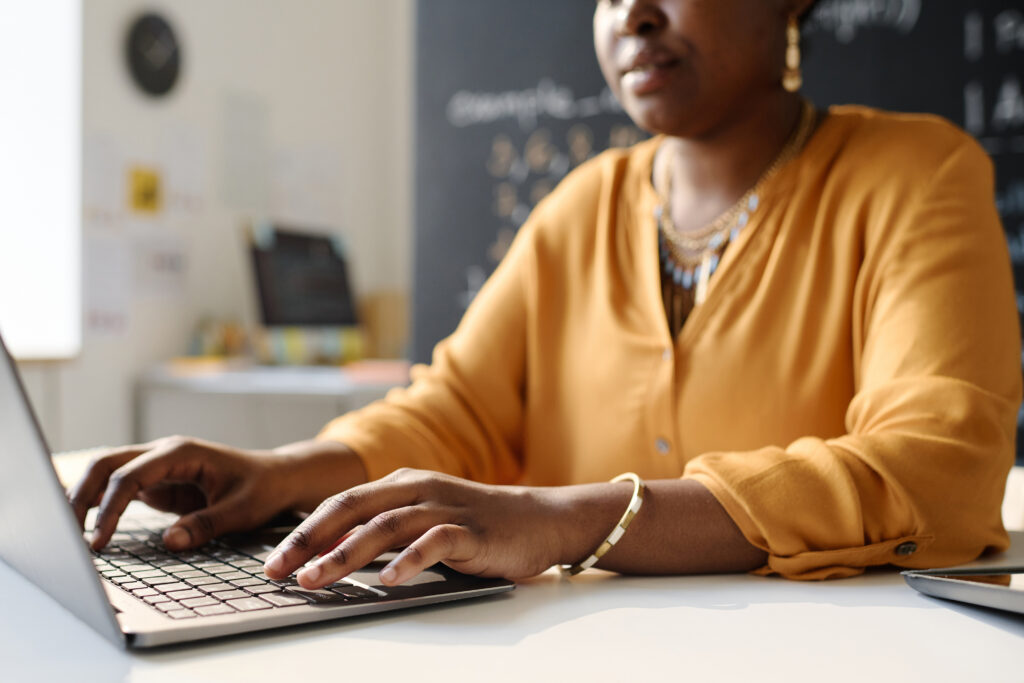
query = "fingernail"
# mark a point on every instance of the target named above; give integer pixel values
(311, 574)
(176, 537)
(274, 563)
(388, 574)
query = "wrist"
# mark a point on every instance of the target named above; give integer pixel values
(310, 471)
(586, 514)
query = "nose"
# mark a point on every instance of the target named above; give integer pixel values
(638, 17)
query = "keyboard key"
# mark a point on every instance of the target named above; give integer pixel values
(262, 588)
(172, 587)
(230, 595)
(215, 587)
(202, 580)
(135, 568)
(192, 558)
(161, 580)
(205, 564)
(189, 574)
(175, 568)
(199, 602)
(248, 562)
(181, 614)
(144, 592)
(249, 604)
(214, 609)
(219, 568)
(147, 574)
(121, 579)
(182, 595)
(133, 585)
(284, 599)
(154, 599)
(248, 581)
(232, 576)
(167, 606)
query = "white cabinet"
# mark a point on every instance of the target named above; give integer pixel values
(255, 407)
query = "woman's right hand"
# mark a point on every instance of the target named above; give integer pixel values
(216, 489)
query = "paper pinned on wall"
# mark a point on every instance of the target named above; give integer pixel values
(103, 189)
(107, 276)
(245, 179)
(145, 189)
(307, 186)
(186, 167)
(160, 262)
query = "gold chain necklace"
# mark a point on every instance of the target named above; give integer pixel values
(690, 258)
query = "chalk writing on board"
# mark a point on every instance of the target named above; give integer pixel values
(845, 18)
(995, 115)
(467, 108)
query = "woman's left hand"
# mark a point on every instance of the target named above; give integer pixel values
(507, 531)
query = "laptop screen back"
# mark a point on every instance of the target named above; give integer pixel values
(39, 537)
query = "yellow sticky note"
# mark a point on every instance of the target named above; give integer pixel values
(145, 190)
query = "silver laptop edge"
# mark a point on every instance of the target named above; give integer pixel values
(40, 538)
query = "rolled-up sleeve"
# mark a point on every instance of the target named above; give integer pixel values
(919, 476)
(463, 413)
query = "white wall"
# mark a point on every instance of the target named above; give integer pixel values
(331, 82)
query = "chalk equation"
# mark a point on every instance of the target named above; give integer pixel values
(548, 99)
(846, 18)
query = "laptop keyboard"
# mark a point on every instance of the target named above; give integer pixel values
(210, 581)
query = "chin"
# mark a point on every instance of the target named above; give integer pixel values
(659, 120)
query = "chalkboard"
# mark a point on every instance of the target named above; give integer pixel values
(509, 98)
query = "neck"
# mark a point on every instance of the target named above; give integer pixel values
(712, 171)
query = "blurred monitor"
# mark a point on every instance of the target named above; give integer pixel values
(302, 279)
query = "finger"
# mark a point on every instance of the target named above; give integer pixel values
(335, 517)
(232, 513)
(390, 529)
(180, 499)
(173, 460)
(89, 489)
(446, 542)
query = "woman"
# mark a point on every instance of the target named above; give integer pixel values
(798, 328)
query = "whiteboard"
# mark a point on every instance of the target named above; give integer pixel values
(40, 177)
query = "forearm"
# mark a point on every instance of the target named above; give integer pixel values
(316, 469)
(680, 529)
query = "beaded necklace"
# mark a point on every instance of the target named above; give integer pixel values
(688, 259)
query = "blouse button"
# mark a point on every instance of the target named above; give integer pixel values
(906, 548)
(663, 446)
(666, 354)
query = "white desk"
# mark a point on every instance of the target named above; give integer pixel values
(597, 627)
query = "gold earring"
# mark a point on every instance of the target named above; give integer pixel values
(792, 79)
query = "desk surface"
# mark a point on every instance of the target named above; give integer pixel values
(595, 627)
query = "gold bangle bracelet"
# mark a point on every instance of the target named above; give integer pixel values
(620, 528)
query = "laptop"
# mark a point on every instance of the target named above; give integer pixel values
(135, 592)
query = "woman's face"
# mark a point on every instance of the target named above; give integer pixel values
(684, 67)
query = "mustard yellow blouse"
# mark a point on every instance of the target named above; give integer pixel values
(848, 391)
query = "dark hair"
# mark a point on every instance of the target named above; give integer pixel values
(809, 10)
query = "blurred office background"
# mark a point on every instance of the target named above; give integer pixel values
(418, 135)
(297, 110)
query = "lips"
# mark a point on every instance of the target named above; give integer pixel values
(647, 70)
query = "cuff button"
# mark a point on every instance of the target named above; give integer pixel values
(906, 548)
